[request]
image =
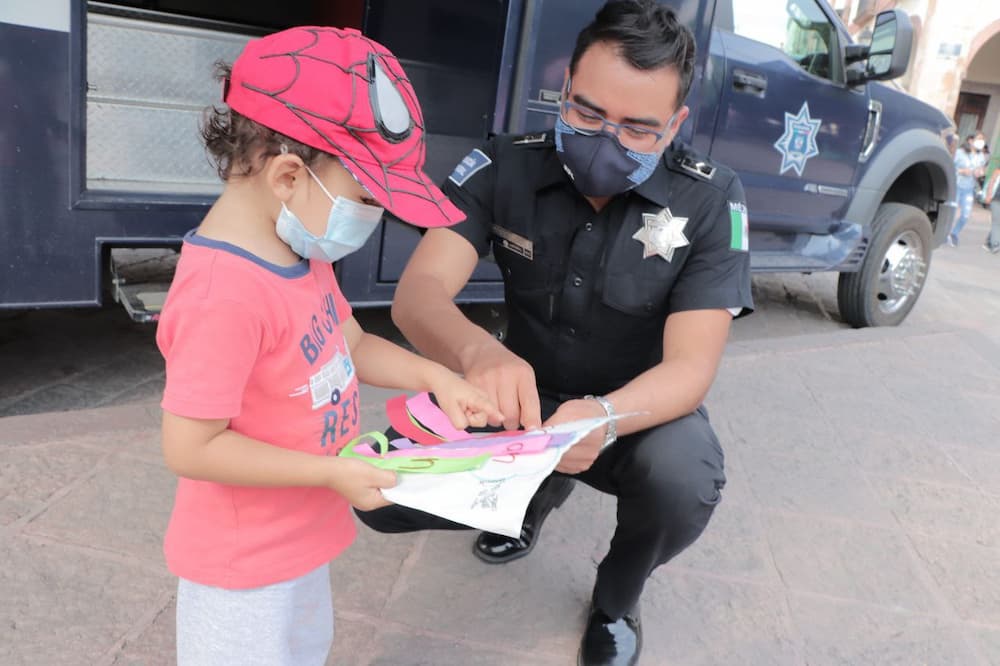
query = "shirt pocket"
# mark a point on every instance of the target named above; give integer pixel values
(522, 271)
(636, 295)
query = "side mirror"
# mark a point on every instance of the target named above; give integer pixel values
(889, 51)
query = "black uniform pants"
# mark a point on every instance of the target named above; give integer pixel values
(668, 481)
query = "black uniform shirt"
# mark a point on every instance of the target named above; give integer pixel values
(586, 309)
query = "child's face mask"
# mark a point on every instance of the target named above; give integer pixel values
(347, 228)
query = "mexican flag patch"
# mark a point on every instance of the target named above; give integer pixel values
(740, 226)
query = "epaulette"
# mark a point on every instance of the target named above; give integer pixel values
(693, 164)
(536, 139)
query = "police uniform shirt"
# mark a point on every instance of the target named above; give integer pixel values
(587, 296)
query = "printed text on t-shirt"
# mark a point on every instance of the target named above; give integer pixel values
(312, 343)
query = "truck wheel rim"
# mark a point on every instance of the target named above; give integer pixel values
(903, 271)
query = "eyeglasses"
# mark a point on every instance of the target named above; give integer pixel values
(586, 121)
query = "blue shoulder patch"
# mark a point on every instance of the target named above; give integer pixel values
(469, 166)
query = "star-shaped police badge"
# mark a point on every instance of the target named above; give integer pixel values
(798, 143)
(661, 234)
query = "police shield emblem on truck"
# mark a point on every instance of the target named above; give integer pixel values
(798, 143)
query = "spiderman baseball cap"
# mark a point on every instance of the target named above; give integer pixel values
(338, 91)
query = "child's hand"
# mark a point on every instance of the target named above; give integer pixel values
(464, 404)
(361, 483)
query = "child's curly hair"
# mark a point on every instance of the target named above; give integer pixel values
(238, 145)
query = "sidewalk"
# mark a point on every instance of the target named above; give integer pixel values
(859, 526)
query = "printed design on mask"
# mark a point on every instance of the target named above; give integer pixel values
(798, 144)
(470, 165)
(598, 164)
(661, 234)
(647, 165)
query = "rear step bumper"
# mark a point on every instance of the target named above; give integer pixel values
(140, 278)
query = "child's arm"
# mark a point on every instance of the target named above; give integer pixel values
(207, 450)
(381, 363)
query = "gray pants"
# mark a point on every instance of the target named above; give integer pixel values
(668, 481)
(993, 239)
(285, 624)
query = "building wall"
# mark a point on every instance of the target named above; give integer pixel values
(991, 126)
(985, 68)
(957, 50)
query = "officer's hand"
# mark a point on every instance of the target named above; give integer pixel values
(508, 381)
(463, 402)
(581, 455)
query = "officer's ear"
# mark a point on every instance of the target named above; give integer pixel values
(674, 126)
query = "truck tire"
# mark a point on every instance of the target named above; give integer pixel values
(892, 276)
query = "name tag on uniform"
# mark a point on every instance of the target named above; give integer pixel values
(519, 245)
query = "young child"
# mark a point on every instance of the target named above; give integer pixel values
(263, 356)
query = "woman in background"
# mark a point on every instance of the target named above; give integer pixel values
(968, 165)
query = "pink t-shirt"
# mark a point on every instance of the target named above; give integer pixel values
(261, 345)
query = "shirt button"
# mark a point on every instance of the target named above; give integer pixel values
(589, 226)
(572, 331)
(577, 281)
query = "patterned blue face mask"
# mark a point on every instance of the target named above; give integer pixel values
(598, 164)
(347, 228)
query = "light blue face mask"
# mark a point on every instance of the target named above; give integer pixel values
(347, 228)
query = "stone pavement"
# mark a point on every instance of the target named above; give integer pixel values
(859, 524)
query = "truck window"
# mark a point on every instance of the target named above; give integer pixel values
(799, 28)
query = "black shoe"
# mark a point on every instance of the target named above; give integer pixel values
(608, 642)
(500, 549)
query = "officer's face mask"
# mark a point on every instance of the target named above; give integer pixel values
(979, 144)
(599, 164)
(348, 226)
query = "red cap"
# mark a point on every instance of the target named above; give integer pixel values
(340, 92)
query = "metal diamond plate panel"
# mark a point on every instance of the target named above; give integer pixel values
(138, 61)
(134, 144)
(147, 86)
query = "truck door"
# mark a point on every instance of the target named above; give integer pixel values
(453, 53)
(788, 124)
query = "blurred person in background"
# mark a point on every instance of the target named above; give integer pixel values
(969, 167)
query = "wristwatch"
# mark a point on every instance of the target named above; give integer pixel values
(611, 434)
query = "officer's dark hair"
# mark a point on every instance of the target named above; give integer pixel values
(648, 36)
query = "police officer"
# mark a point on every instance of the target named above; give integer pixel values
(624, 258)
